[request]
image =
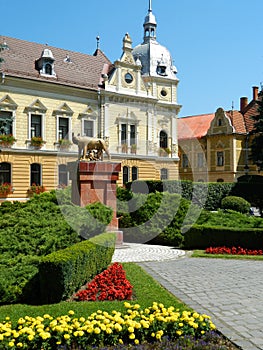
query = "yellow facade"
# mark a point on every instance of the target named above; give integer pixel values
(145, 109)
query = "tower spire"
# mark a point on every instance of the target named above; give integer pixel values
(149, 25)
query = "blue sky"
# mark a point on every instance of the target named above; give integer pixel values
(216, 44)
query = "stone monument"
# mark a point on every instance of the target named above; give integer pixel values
(93, 179)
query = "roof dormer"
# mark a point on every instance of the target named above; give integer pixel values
(45, 64)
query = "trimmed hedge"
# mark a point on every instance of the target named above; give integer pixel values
(63, 272)
(202, 237)
(206, 195)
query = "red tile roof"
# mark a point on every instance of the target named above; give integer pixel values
(237, 120)
(194, 126)
(84, 70)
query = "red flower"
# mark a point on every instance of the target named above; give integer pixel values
(233, 251)
(111, 284)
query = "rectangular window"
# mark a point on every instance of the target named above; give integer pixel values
(220, 158)
(164, 174)
(6, 122)
(185, 162)
(123, 133)
(88, 128)
(63, 128)
(200, 160)
(132, 135)
(62, 175)
(36, 125)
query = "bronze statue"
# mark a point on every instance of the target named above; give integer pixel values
(90, 148)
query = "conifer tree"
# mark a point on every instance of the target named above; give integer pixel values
(257, 141)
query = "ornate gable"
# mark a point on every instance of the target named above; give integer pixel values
(221, 124)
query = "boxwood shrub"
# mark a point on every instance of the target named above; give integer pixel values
(235, 203)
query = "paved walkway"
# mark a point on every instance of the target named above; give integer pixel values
(230, 291)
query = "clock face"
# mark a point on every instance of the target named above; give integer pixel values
(128, 78)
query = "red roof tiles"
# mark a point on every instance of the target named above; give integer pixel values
(194, 126)
(83, 70)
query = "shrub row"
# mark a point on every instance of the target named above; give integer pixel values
(201, 237)
(206, 195)
(63, 272)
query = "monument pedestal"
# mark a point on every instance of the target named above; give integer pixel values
(96, 182)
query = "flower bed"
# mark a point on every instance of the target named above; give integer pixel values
(136, 326)
(233, 251)
(111, 284)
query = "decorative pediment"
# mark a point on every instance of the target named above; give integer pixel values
(36, 106)
(88, 112)
(63, 109)
(7, 103)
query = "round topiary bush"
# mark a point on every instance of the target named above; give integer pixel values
(235, 203)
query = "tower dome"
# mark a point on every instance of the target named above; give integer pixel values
(155, 58)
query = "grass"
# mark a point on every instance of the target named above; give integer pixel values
(203, 254)
(147, 290)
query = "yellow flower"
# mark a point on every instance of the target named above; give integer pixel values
(66, 336)
(97, 330)
(179, 332)
(136, 341)
(30, 337)
(71, 312)
(11, 343)
(130, 329)
(212, 326)
(120, 341)
(132, 336)
(19, 345)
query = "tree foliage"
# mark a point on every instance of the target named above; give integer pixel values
(257, 141)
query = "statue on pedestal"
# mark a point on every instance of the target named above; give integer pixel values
(90, 148)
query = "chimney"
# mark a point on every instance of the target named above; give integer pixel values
(255, 92)
(243, 103)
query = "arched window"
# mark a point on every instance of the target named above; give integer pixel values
(163, 139)
(164, 174)
(35, 174)
(134, 173)
(62, 175)
(48, 69)
(125, 175)
(5, 172)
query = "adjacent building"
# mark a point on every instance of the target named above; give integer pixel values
(216, 147)
(48, 93)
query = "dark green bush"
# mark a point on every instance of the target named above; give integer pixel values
(235, 203)
(157, 218)
(202, 237)
(36, 228)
